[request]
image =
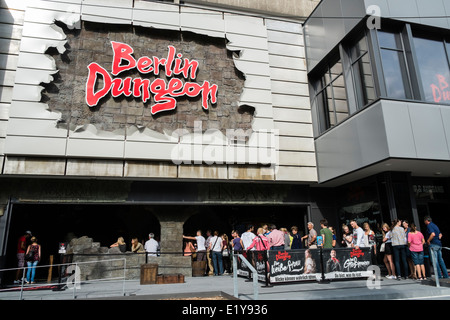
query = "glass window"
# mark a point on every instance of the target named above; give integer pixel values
(434, 69)
(394, 65)
(362, 73)
(393, 74)
(332, 98)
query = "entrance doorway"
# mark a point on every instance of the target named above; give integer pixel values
(55, 223)
(227, 218)
(440, 213)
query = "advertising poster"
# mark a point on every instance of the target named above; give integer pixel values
(294, 265)
(258, 261)
(346, 263)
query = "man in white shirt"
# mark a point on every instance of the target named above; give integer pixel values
(358, 235)
(201, 249)
(151, 245)
(247, 237)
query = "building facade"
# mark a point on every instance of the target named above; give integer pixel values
(378, 73)
(121, 118)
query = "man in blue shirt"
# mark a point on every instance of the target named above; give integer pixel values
(433, 240)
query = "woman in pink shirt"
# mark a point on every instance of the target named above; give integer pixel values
(415, 243)
(260, 241)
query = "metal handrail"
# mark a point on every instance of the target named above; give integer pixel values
(435, 266)
(252, 269)
(73, 286)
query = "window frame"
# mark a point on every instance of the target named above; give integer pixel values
(413, 82)
(358, 102)
(321, 96)
(405, 65)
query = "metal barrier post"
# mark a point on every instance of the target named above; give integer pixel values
(21, 286)
(255, 277)
(75, 285)
(266, 270)
(124, 275)
(235, 282)
(434, 259)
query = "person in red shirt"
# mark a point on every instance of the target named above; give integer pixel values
(21, 247)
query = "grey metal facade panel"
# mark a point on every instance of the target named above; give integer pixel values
(333, 23)
(315, 41)
(399, 131)
(430, 11)
(354, 144)
(388, 129)
(428, 131)
(328, 25)
(405, 10)
(333, 20)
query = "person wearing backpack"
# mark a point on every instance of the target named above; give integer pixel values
(34, 250)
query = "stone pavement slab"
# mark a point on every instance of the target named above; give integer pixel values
(208, 286)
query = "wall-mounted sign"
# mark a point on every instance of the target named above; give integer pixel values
(164, 92)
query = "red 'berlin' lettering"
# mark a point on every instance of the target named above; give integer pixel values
(439, 92)
(164, 93)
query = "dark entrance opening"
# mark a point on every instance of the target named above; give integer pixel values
(439, 213)
(54, 223)
(104, 223)
(227, 218)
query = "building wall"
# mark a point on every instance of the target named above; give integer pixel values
(333, 20)
(300, 9)
(11, 24)
(272, 60)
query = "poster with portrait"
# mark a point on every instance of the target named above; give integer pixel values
(346, 263)
(294, 265)
(258, 260)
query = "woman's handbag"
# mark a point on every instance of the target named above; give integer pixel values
(29, 256)
(225, 252)
(382, 247)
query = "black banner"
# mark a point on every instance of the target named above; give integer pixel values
(346, 263)
(294, 265)
(258, 260)
(307, 264)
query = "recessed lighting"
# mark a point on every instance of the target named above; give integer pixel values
(437, 173)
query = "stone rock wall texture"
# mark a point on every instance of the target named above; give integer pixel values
(92, 43)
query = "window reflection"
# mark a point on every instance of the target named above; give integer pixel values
(434, 69)
(332, 99)
(394, 66)
(392, 69)
(362, 73)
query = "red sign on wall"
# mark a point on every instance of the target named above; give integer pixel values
(164, 93)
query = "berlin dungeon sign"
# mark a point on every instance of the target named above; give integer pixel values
(164, 92)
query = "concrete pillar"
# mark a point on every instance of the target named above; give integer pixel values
(171, 220)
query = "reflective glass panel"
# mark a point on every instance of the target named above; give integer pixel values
(434, 69)
(394, 73)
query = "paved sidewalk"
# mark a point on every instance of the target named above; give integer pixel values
(224, 285)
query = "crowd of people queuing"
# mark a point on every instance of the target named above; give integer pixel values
(403, 246)
(216, 249)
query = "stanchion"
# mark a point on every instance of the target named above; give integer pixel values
(250, 259)
(323, 280)
(266, 271)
